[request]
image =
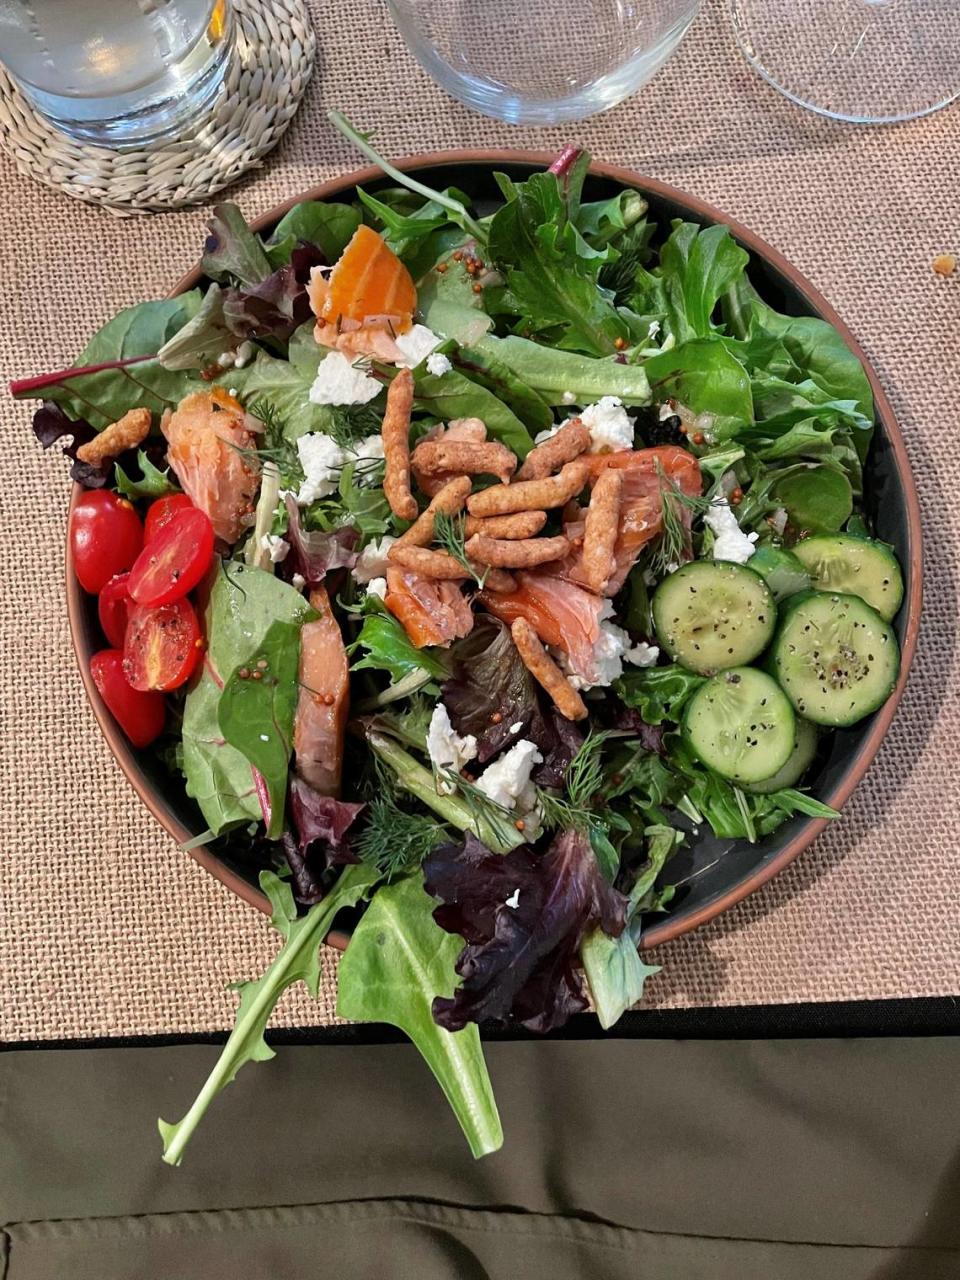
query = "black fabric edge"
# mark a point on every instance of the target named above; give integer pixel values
(922, 1016)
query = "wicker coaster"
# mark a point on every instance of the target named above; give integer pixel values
(265, 82)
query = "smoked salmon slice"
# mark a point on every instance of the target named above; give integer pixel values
(323, 705)
(366, 299)
(431, 612)
(563, 614)
(205, 436)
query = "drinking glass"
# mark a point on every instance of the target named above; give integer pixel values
(864, 61)
(121, 73)
(540, 62)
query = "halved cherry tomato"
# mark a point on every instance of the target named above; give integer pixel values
(160, 513)
(106, 536)
(174, 561)
(162, 645)
(139, 715)
(112, 608)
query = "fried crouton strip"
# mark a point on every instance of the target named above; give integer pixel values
(601, 528)
(530, 495)
(448, 501)
(438, 564)
(568, 443)
(438, 457)
(517, 553)
(396, 447)
(127, 432)
(546, 672)
(524, 524)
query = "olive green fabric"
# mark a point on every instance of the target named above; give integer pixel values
(653, 1160)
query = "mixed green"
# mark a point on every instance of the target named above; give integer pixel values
(369, 741)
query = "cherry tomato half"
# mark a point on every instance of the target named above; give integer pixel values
(162, 645)
(175, 560)
(139, 715)
(105, 537)
(112, 608)
(161, 512)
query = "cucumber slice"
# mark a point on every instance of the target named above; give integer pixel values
(835, 657)
(805, 740)
(781, 570)
(741, 725)
(856, 567)
(713, 614)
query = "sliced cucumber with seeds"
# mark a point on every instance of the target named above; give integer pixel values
(741, 725)
(712, 614)
(835, 657)
(855, 567)
(781, 571)
(805, 739)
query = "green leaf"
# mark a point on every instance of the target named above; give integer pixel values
(398, 961)
(454, 395)
(232, 252)
(704, 376)
(615, 974)
(819, 499)
(256, 715)
(389, 649)
(697, 266)
(142, 330)
(559, 374)
(242, 605)
(297, 961)
(324, 223)
(658, 693)
(153, 482)
(530, 406)
(449, 307)
(402, 229)
(201, 340)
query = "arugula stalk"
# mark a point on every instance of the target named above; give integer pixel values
(298, 960)
(255, 553)
(458, 212)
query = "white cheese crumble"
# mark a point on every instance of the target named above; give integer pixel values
(568, 398)
(366, 454)
(275, 546)
(652, 330)
(611, 430)
(731, 542)
(515, 728)
(321, 458)
(642, 654)
(507, 781)
(298, 581)
(372, 561)
(377, 587)
(513, 901)
(611, 649)
(415, 345)
(446, 748)
(438, 364)
(245, 353)
(340, 382)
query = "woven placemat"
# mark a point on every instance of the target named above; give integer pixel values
(106, 928)
(270, 67)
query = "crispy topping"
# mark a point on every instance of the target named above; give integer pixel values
(130, 430)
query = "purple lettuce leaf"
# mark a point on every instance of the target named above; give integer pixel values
(277, 305)
(520, 961)
(314, 554)
(52, 425)
(321, 824)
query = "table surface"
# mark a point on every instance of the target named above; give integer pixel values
(107, 928)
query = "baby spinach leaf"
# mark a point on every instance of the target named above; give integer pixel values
(232, 251)
(819, 499)
(397, 962)
(153, 482)
(256, 712)
(326, 224)
(454, 395)
(556, 375)
(704, 376)
(297, 961)
(450, 308)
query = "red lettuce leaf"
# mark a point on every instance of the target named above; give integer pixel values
(276, 306)
(314, 554)
(520, 962)
(321, 824)
(52, 425)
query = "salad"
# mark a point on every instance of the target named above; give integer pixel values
(460, 569)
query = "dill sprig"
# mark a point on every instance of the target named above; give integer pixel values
(450, 533)
(275, 446)
(673, 545)
(395, 840)
(486, 814)
(574, 808)
(349, 424)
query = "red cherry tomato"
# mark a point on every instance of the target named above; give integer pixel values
(162, 645)
(174, 561)
(160, 513)
(105, 537)
(139, 715)
(112, 607)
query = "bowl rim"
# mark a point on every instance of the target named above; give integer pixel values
(666, 929)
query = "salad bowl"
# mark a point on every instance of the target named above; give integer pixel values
(711, 874)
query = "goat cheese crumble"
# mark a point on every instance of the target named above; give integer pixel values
(611, 649)
(321, 458)
(275, 546)
(415, 345)
(446, 748)
(507, 781)
(731, 542)
(611, 430)
(340, 382)
(438, 364)
(377, 587)
(372, 561)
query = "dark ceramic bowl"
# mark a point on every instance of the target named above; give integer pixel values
(716, 874)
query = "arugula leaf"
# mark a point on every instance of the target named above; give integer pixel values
(658, 693)
(401, 230)
(256, 715)
(326, 224)
(552, 273)
(556, 375)
(297, 961)
(603, 221)
(397, 962)
(703, 375)
(388, 648)
(454, 395)
(232, 251)
(153, 482)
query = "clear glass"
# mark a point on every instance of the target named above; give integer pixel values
(121, 73)
(539, 62)
(865, 61)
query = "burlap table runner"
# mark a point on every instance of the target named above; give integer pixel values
(106, 928)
